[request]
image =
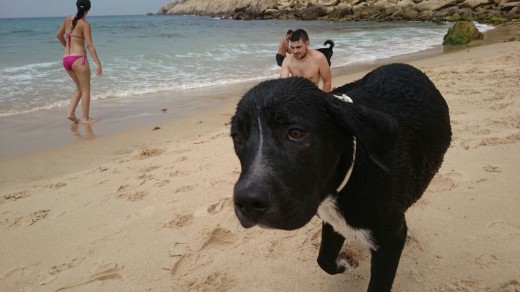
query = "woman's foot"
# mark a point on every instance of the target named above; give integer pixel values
(89, 121)
(73, 119)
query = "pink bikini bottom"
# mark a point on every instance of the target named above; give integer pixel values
(69, 60)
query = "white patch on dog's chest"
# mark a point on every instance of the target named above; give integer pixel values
(329, 213)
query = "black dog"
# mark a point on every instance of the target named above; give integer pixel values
(358, 165)
(327, 51)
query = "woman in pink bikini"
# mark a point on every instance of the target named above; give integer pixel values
(74, 33)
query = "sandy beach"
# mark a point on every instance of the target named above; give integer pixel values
(151, 209)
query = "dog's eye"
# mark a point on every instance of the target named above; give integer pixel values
(296, 134)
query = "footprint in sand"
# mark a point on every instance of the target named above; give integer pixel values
(512, 121)
(145, 177)
(149, 168)
(10, 222)
(52, 274)
(179, 173)
(442, 183)
(467, 284)
(56, 185)
(215, 281)
(489, 141)
(494, 141)
(510, 286)
(122, 188)
(487, 260)
(124, 192)
(106, 272)
(14, 196)
(101, 273)
(211, 138)
(501, 106)
(224, 203)
(162, 183)
(180, 220)
(491, 168)
(148, 152)
(482, 132)
(102, 169)
(187, 260)
(138, 196)
(180, 253)
(214, 183)
(25, 220)
(181, 159)
(37, 216)
(184, 189)
(219, 237)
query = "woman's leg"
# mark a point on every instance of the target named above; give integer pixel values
(83, 73)
(76, 96)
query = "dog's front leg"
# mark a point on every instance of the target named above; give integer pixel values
(385, 259)
(331, 243)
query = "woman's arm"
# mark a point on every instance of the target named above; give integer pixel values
(90, 46)
(61, 32)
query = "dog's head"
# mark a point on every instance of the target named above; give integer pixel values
(290, 138)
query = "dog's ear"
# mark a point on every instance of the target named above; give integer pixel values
(375, 130)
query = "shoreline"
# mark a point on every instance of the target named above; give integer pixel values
(152, 210)
(42, 130)
(134, 130)
(48, 129)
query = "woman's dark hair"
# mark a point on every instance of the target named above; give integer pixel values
(83, 6)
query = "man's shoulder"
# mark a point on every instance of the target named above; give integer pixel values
(317, 54)
(289, 58)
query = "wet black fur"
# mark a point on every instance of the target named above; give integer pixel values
(402, 126)
(327, 51)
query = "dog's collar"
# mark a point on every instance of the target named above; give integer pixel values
(346, 98)
(349, 172)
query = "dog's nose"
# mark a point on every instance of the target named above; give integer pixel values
(251, 201)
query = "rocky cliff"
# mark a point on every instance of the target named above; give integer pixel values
(431, 10)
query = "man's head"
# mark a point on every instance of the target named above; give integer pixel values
(288, 34)
(299, 43)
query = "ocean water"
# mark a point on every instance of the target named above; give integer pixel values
(143, 55)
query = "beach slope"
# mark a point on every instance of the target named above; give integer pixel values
(160, 217)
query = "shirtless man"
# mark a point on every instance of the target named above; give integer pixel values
(305, 62)
(283, 48)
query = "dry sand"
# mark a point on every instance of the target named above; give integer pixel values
(156, 214)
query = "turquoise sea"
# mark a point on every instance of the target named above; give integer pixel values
(154, 57)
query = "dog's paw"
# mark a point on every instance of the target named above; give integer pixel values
(343, 263)
(346, 262)
(333, 269)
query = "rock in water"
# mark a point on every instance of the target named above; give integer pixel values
(462, 33)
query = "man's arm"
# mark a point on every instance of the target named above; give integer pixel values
(284, 72)
(325, 74)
